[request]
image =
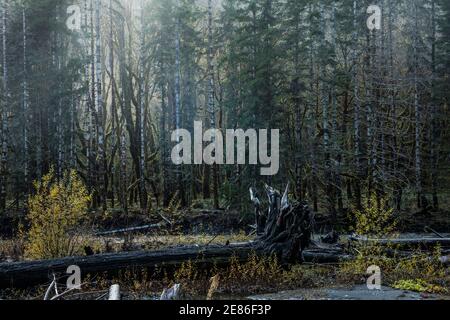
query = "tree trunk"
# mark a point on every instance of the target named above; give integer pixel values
(5, 105)
(25, 102)
(312, 119)
(101, 162)
(357, 107)
(435, 138)
(114, 130)
(417, 112)
(177, 118)
(296, 94)
(211, 100)
(141, 115)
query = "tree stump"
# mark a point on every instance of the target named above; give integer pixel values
(286, 230)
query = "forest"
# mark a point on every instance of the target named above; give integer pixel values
(341, 171)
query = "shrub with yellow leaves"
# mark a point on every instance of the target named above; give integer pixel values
(56, 211)
(375, 219)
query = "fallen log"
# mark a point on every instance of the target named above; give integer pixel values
(133, 229)
(30, 273)
(324, 256)
(425, 243)
(428, 229)
(189, 220)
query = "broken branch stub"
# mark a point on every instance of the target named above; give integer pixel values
(114, 292)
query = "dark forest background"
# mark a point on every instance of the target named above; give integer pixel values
(360, 112)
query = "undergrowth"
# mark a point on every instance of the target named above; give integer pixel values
(417, 270)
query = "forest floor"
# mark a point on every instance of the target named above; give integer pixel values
(255, 280)
(259, 278)
(358, 292)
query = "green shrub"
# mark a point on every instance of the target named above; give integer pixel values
(56, 210)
